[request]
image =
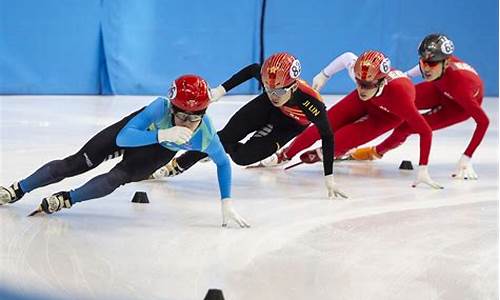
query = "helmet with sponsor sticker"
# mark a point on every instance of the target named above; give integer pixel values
(435, 47)
(371, 66)
(189, 93)
(280, 70)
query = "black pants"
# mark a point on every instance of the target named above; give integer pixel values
(272, 130)
(137, 164)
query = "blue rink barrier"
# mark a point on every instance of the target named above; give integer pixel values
(138, 47)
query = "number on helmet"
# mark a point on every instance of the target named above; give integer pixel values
(447, 47)
(295, 69)
(172, 92)
(385, 65)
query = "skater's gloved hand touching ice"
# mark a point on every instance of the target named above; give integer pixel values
(464, 169)
(333, 190)
(229, 213)
(424, 177)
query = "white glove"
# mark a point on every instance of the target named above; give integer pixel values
(464, 169)
(177, 134)
(228, 213)
(333, 191)
(319, 81)
(423, 177)
(217, 93)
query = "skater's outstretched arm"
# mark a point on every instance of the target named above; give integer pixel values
(216, 152)
(243, 75)
(343, 61)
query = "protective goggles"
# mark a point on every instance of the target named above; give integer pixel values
(184, 116)
(279, 92)
(430, 63)
(367, 84)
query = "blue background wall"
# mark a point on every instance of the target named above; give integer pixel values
(139, 46)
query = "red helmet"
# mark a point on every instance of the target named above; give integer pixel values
(189, 93)
(280, 70)
(372, 65)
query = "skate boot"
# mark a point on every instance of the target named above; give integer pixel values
(56, 202)
(277, 159)
(10, 194)
(309, 157)
(312, 156)
(169, 170)
(366, 153)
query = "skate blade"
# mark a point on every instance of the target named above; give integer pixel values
(36, 212)
(258, 166)
(294, 165)
(344, 158)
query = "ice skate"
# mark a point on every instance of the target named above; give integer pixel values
(10, 194)
(54, 203)
(169, 170)
(276, 160)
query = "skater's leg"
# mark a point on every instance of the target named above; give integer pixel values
(99, 148)
(137, 165)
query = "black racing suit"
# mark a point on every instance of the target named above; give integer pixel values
(273, 127)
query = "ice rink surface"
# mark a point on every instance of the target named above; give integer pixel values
(387, 241)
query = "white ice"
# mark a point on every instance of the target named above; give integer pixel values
(387, 241)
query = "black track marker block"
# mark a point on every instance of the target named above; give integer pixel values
(140, 197)
(214, 294)
(406, 165)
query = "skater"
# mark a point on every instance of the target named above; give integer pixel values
(383, 99)
(452, 93)
(284, 110)
(147, 139)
